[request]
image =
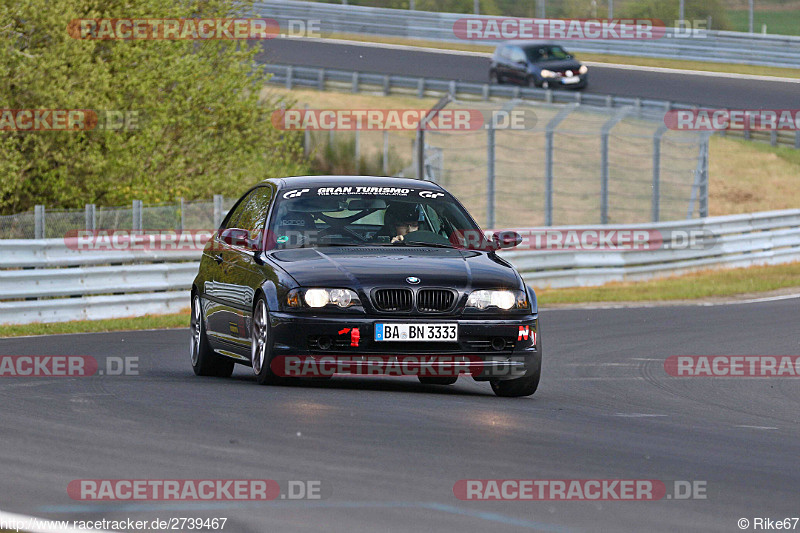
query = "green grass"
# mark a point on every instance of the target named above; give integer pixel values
(180, 320)
(703, 284)
(785, 22)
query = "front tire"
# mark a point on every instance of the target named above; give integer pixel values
(261, 345)
(205, 362)
(524, 386)
(494, 78)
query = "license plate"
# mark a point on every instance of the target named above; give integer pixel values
(416, 332)
(571, 79)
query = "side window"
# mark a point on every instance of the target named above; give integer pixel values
(517, 55)
(251, 212)
(235, 213)
(254, 214)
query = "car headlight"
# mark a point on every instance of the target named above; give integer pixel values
(502, 299)
(317, 298)
(547, 73)
(583, 70)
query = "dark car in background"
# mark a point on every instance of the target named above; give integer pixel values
(361, 266)
(537, 64)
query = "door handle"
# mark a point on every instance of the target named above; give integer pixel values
(218, 259)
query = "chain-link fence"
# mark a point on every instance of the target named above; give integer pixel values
(560, 164)
(46, 223)
(571, 164)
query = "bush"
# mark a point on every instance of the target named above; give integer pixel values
(203, 120)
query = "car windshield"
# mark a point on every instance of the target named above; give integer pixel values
(547, 53)
(369, 216)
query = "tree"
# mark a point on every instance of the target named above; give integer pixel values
(203, 116)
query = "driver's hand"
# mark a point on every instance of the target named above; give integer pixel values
(397, 238)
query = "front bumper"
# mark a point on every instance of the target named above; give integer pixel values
(562, 81)
(494, 349)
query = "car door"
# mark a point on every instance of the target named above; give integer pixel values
(218, 290)
(247, 268)
(518, 65)
(503, 70)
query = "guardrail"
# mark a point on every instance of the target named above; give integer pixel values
(355, 81)
(722, 242)
(99, 284)
(696, 45)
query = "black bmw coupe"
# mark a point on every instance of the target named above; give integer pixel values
(314, 269)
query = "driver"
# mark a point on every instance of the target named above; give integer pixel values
(399, 220)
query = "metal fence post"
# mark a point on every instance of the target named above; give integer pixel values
(217, 210)
(419, 153)
(182, 217)
(355, 82)
(386, 85)
(90, 217)
(38, 222)
(655, 209)
(136, 215)
(306, 137)
(490, 147)
(703, 193)
(357, 151)
(548, 161)
(321, 79)
(289, 72)
(421, 88)
(385, 152)
(610, 123)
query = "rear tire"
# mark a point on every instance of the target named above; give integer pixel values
(446, 380)
(205, 362)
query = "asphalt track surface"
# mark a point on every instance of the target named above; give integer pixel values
(389, 450)
(704, 90)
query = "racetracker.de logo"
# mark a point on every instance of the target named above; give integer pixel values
(377, 119)
(733, 119)
(579, 489)
(173, 489)
(68, 366)
(375, 365)
(559, 489)
(48, 119)
(138, 240)
(503, 29)
(174, 29)
(750, 366)
(47, 366)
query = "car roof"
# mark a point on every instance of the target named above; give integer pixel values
(338, 181)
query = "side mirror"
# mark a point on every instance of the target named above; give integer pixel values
(239, 238)
(506, 239)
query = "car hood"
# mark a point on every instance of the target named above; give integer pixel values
(560, 65)
(364, 267)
